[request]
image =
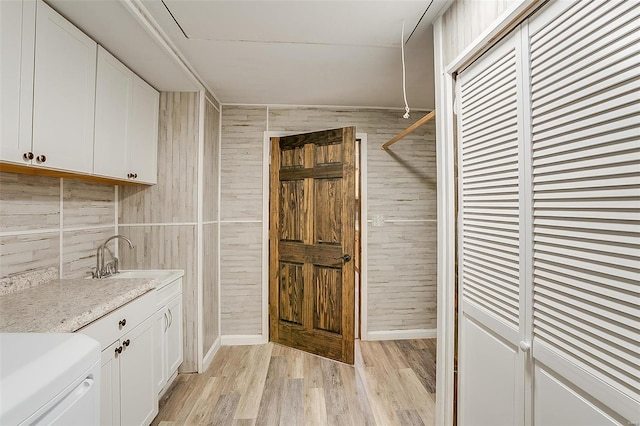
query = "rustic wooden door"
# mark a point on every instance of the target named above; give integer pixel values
(312, 242)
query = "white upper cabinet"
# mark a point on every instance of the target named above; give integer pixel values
(68, 104)
(113, 93)
(17, 32)
(142, 146)
(126, 129)
(64, 94)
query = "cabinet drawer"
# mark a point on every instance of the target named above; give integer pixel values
(168, 292)
(112, 326)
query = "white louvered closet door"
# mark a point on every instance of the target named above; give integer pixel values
(549, 225)
(491, 300)
(585, 112)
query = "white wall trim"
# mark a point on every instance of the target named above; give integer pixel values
(276, 106)
(61, 232)
(419, 333)
(206, 362)
(266, 166)
(158, 224)
(140, 12)
(57, 229)
(405, 220)
(200, 235)
(446, 194)
(364, 235)
(243, 339)
(218, 221)
(508, 20)
(116, 219)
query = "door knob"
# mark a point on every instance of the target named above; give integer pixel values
(41, 158)
(346, 258)
(28, 156)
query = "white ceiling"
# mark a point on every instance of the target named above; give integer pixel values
(300, 52)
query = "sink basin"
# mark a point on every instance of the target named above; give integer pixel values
(165, 276)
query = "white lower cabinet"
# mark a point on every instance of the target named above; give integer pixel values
(110, 386)
(141, 352)
(138, 397)
(128, 393)
(168, 332)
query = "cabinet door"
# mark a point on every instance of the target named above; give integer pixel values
(17, 33)
(160, 325)
(110, 386)
(64, 93)
(143, 132)
(138, 396)
(113, 89)
(174, 335)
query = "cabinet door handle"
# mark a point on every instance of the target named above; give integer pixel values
(135, 176)
(170, 317)
(27, 156)
(126, 343)
(166, 322)
(41, 158)
(122, 322)
(118, 351)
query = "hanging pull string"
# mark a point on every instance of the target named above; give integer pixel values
(404, 76)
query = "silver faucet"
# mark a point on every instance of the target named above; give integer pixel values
(110, 268)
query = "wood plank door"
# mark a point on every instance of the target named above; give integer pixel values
(312, 242)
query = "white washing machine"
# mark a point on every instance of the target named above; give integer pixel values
(49, 379)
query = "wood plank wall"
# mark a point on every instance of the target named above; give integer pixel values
(32, 223)
(161, 220)
(241, 220)
(402, 188)
(467, 19)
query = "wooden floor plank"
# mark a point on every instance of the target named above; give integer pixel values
(315, 409)
(271, 402)
(251, 390)
(225, 409)
(203, 410)
(391, 383)
(292, 404)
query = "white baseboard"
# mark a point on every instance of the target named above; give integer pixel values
(421, 333)
(209, 356)
(243, 339)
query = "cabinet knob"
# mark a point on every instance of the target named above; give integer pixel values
(118, 350)
(41, 158)
(122, 322)
(28, 156)
(135, 176)
(126, 343)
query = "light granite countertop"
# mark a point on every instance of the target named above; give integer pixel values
(67, 305)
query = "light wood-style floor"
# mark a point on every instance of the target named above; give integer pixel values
(392, 383)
